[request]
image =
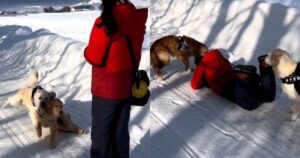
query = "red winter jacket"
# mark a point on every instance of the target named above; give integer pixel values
(213, 71)
(113, 81)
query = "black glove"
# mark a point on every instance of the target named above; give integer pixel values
(198, 60)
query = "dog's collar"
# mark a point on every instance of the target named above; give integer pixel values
(33, 93)
(294, 77)
(180, 41)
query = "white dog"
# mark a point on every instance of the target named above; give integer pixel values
(285, 67)
(39, 102)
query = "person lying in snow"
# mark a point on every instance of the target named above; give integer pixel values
(239, 84)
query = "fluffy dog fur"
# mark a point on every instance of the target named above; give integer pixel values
(44, 110)
(283, 65)
(165, 47)
(39, 107)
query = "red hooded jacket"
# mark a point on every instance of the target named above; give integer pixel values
(214, 71)
(114, 80)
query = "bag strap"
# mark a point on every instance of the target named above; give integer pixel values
(107, 50)
(129, 44)
(136, 73)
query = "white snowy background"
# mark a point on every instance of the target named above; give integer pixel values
(194, 124)
(53, 45)
(184, 123)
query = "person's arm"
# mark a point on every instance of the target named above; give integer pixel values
(96, 49)
(198, 78)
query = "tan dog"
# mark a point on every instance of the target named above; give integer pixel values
(38, 101)
(64, 122)
(176, 46)
(283, 66)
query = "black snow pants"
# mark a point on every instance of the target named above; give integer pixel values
(110, 135)
(251, 93)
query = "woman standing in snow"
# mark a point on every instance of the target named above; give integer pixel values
(112, 75)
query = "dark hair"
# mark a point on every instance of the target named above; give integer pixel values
(107, 16)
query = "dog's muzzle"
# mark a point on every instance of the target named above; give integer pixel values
(33, 93)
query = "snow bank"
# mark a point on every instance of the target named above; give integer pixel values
(244, 29)
(75, 25)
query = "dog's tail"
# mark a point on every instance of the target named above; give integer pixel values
(32, 79)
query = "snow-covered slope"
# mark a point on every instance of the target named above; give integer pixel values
(193, 124)
(21, 4)
(75, 25)
(62, 68)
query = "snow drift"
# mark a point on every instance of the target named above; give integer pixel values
(193, 124)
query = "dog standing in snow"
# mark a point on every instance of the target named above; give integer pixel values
(288, 71)
(181, 47)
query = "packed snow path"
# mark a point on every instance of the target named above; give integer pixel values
(192, 124)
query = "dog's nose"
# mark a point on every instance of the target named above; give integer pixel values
(43, 104)
(61, 113)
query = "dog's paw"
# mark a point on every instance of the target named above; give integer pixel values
(82, 132)
(160, 78)
(293, 116)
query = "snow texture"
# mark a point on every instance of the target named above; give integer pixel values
(53, 44)
(193, 124)
(184, 123)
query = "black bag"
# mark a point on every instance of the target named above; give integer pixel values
(140, 91)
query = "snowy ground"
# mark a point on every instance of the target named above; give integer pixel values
(53, 45)
(184, 123)
(193, 124)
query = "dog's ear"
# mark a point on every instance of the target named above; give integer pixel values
(52, 95)
(275, 58)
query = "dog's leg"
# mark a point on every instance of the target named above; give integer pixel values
(38, 129)
(294, 111)
(51, 141)
(37, 125)
(159, 74)
(71, 126)
(185, 62)
(5, 103)
(14, 100)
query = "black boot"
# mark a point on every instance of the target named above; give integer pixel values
(268, 83)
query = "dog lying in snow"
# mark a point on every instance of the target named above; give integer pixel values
(63, 119)
(289, 71)
(44, 109)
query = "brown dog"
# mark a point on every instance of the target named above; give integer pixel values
(181, 47)
(63, 119)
